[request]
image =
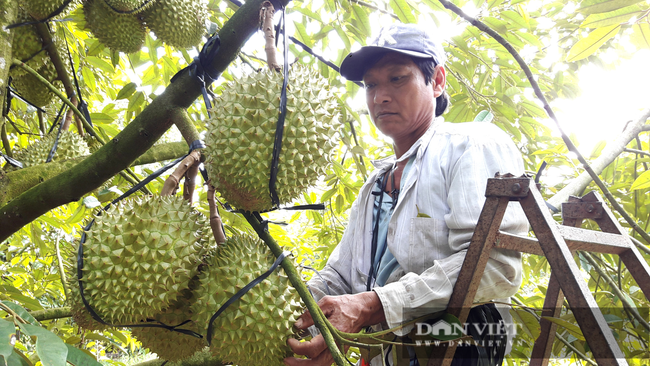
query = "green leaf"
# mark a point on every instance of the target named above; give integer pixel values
(640, 36)
(641, 182)
(515, 18)
(484, 116)
(7, 338)
(100, 64)
(527, 320)
(127, 91)
(49, 347)
(340, 202)
(603, 6)
(101, 118)
(18, 359)
(78, 357)
(612, 17)
(590, 44)
(403, 11)
(363, 21)
(573, 329)
(136, 101)
(21, 312)
(302, 35)
(88, 78)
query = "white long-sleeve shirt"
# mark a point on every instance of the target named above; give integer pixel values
(446, 182)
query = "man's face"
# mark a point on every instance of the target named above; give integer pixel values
(400, 103)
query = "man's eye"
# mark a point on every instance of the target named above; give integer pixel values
(396, 78)
(369, 86)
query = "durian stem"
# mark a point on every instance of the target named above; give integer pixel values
(41, 123)
(319, 320)
(62, 73)
(266, 20)
(5, 139)
(171, 183)
(61, 96)
(215, 220)
(64, 281)
(190, 180)
(52, 313)
(186, 127)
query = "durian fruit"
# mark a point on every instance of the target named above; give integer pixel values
(130, 6)
(27, 45)
(255, 328)
(170, 345)
(240, 137)
(178, 23)
(70, 146)
(41, 9)
(79, 312)
(119, 32)
(140, 255)
(32, 89)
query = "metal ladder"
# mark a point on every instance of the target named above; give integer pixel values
(558, 244)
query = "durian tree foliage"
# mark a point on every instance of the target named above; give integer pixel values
(133, 106)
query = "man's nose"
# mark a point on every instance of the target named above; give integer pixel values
(382, 95)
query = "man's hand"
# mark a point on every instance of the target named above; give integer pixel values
(347, 313)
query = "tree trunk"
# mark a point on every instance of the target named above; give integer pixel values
(7, 15)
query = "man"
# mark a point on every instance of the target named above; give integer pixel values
(410, 227)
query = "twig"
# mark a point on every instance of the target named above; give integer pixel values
(5, 139)
(617, 291)
(640, 245)
(538, 92)
(635, 151)
(301, 288)
(13, 313)
(61, 96)
(215, 219)
(566, 343)
(132, 180)
(266, 24)
(171, 183)
(64, 281)
(62, 73)
(363, 3)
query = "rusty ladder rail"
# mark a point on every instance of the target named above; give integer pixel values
(558, 244)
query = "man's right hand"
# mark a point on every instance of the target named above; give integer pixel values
(347, 313)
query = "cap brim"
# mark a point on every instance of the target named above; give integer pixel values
(356, 63)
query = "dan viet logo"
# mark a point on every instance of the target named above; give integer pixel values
(442, 331)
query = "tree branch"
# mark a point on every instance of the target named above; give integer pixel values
(53, 313)
(635, 151)
(18, 181)
(136, 138)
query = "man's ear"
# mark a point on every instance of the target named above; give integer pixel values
(439, 80)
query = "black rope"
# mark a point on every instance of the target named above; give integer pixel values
(12, 161)
(15, 94)
(57, 119)
(198, 144)
(82, 106)
(50, 156)
(47, 19)
(242, 292)
(144, 4)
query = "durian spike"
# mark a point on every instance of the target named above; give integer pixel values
(215, 219)
(266, 23)
(171, 183)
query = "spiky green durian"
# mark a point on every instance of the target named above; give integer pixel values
(171, 345)
(41, 9)
(130, 6)
(79, 312)
(178, 23)
(119, 32)
(240, 137)
(32, 89)
(27, 45)
(70, 146)
(140, 254)
(255, 328)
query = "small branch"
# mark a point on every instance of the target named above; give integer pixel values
(62, 73)
(4, 307)
(635, 151)
(190, 179)
(645, 128)
(296, 281)
(215, 219)
(41, 123)
(186, 126)
(61, 96)
(53, 313)
(266, 22)
(616, 290)
(64, 281)
(5, 139)
(171, 183)
(640, 245)
(363, 3)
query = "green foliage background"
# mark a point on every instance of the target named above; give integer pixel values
(482, 76)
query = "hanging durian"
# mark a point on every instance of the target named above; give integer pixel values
(240, 137)
(130, 6)
(178, 23)
(70, 146)
(119, 32)
(27, 45)
(42, 9)
(34, 90)
(255, 328)
(140, 255)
